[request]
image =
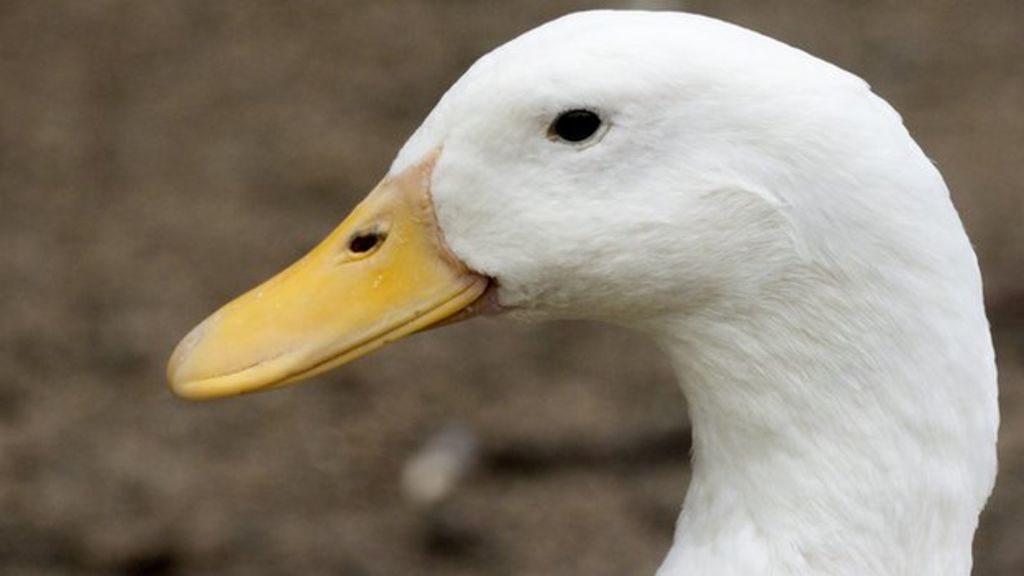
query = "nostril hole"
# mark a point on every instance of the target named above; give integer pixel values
(363, 242)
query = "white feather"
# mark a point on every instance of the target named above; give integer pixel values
(769, 221)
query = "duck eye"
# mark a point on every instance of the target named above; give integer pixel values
(363, 242)
(575, 125)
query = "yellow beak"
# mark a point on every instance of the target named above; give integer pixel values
(384, 273)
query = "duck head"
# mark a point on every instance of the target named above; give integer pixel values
(588, 169)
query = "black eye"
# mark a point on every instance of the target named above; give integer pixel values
(575, 125)
(363, 242)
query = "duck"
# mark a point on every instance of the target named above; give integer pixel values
(758, 213)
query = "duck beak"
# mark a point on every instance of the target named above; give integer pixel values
(384, 273)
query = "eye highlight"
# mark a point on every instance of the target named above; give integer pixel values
(575, 125)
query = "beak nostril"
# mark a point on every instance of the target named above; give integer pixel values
(363, 242)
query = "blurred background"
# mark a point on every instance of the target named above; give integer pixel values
(158, 158)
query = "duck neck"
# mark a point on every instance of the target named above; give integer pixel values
(862, 446)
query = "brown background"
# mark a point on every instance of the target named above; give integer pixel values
(157, 158)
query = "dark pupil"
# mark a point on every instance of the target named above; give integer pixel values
(576, 125)
(364, 242)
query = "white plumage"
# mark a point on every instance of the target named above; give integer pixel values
(758, 212)
(769, 221)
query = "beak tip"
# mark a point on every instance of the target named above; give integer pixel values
(178, 375)
(181, 389)
(177, 378)
(186, 386)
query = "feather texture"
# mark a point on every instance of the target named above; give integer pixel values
(770, 222)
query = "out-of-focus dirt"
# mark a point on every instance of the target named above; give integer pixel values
(157, 158)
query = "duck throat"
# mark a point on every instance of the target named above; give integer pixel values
(839, 435)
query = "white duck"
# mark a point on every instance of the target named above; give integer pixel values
(757, 211)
